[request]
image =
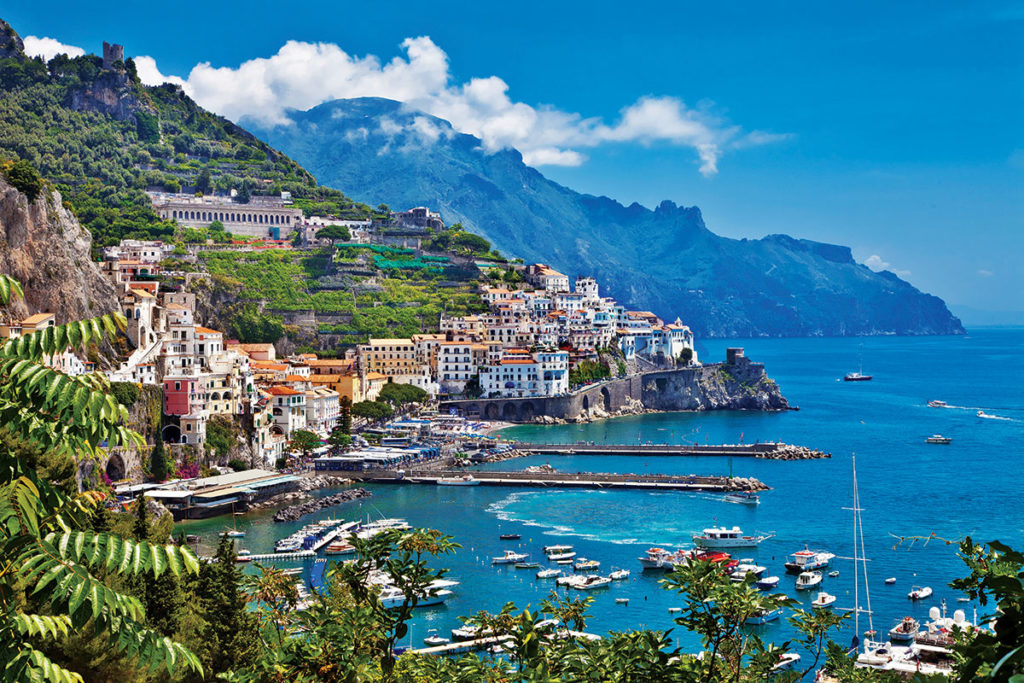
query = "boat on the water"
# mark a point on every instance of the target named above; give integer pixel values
(823, 600)
(526, 565)
(556, 549)
(767, 583)
(465, 480)
(937, 404)
(621, 601)
(740, 572)
(233, 533)
(723, 537)
(591, 582)
(939, 438)
(510, 557)
(743, 497)
(807, 560)
(392, 597)
(856, 377)
(619, 575)
(434, 640)
(661, 559)
(585, 565)
(904, 630)
(808, 580)
(891, 580)
(786, 661)
(834, 573)
(340, 548)
(561, 556)
(548, 573)
(920, 592)
(564, 562)
(762, 617)
(509, 537)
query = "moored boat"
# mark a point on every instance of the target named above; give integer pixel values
(555, 557)
(808, 580)
(433, 640)
(786, 661)
(920, 592)
(743, 497)
(742, 569)
(591, 582)
(823, 600)
(509, 537)
(556, 549)
(762, 617)
(723, 537)
(661, 559)
(767, 583)
(856, 377)
(891, 580)
(340, 548)
(904, 630)
(619, 575)
(807, 560)
(939, 438)
(510, 557)
(585, 565)
(526, 565)
(548, 573)
(465, 480)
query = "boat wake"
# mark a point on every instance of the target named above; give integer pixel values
(986, 416)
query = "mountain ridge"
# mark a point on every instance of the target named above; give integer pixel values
(665, 259)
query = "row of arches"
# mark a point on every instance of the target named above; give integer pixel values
(230, 217)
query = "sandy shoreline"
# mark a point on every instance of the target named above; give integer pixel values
(496, 427)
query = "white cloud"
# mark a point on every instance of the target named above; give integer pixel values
(878, 264)
(150, 74)
(48, 48)
(302, 75)
(985, 273)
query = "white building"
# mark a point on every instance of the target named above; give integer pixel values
(520, 375)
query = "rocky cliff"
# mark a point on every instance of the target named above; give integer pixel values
(44, 247)
(740, 385)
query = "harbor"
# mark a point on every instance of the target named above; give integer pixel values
(768, 450)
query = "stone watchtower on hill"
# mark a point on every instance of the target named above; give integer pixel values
(112, 53)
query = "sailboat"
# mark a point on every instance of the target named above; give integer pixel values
(858, 376)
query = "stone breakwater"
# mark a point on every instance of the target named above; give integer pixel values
(294, 512)
(306, 484)
(788, 452)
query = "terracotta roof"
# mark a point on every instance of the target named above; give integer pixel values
(142, 293)
(207, 330)
(329, 363)
(37, 318)
(375, 375)
(283, 391)
(175, 307)
(255, 347)
(294, 378)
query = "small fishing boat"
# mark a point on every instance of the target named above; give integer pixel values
(963, 599)
(619, 575)
(856, 377)
(465, 480)
(509, 537)
(340, 548)
(740, 572)
(920, 593)
(548, 574)
(243, 558)
(723, 537)
(661, 559)
(591, 582)
(834, 573)
(621, 601)
(904, 630)
(767, 583)
(526, 565)
(585, 565)
(939, 438)
(808, 580)
(510, 557)
(675, 610)
(243, 552)
(433, 640)
(743, 497)
(805, 560)
(762, 617)
(823, 600)
(233, 533)
(564, 562)
(561, 556)
(891, 580)
(937, 404)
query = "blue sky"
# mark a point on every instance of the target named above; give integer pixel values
(894, 128)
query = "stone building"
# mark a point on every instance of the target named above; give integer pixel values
(262, 217)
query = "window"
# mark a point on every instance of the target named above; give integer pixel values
(177, 386)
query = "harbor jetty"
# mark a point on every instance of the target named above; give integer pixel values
(293, 512)
(582, 480)
(769, 450)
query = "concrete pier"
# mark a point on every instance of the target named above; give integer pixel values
(583, 480)
(770, 450)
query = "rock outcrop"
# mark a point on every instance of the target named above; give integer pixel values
(111, 93)
(44, 247)
(11, 46)
(294, 512)
(740, 385)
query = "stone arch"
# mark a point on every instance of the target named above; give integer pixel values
(215, 396)
(586, 403)
(115, 467)
(606, 399)
(276, 430)
(527, 412)
(491, 411)
(171, 433)
(508, 412)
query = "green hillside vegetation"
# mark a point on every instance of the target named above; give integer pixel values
(163, 141)
(399, 298)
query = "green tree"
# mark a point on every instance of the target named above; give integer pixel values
(158, 465)
(339, 439)
(230, 625)
(46, 553)
(400, 394)
(334, 233)
(345, 415)
(685, 356)
(372, 410)
(24, 177)
(303, 441)
(203, 181)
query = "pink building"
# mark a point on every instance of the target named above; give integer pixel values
(183, 395)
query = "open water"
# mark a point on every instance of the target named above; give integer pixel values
(908, 488)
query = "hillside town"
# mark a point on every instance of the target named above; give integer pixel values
(536, 333)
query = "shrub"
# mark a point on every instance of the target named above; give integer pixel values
(24, 177)
(237, 464)
(126, 393)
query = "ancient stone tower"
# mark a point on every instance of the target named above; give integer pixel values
(112, 53)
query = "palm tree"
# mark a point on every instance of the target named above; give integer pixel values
(47, 554)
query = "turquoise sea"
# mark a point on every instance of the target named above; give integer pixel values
(907, 487)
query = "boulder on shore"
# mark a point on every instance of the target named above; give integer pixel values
(294, 512)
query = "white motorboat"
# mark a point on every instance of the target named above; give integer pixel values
(233, 533)
(619, 575)
(939, 438)
(585, 565)
(823, 600)
(469, 632)
(808, 580)
(723, 537)
(663, 560)
(556, 549)
(548, 573)
(904, 630)
(740, 572)
(743, 497)
(807, 560)
(465, 480)
(569, 580)
(937, 404)
(786, 661)
(762, 617)
(340, 548)
(621, 601)
(565, 562)
(920, 593)
(591, 582)
(767, 583)
(555, 557)
(510, 557)
(891, 580)
(392, 597)
(435, 640)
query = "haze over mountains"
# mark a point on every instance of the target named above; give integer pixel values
(665, 260)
